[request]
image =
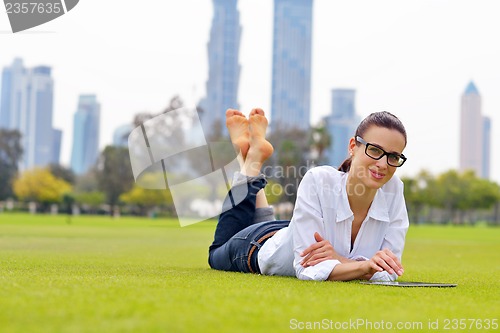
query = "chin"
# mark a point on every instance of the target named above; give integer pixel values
(375, 184)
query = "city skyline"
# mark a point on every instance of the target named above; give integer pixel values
(223, 51)
(291, 64)
(474, 134)
(341, 124)
(27, 106)
(86, 124)
(394, 63)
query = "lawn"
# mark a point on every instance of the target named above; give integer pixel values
(99, 274)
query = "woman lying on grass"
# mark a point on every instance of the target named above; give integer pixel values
(347, 224)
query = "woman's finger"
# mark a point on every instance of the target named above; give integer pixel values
(311, 248)
(393, 262)
(394, 258)
(323, 253)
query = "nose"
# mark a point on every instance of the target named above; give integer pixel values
(382, 163)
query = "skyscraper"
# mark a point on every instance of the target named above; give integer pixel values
(486, 147)
(291, 78)
(120, 135)
(27, 105)
(341, 124)
(223, 67)
(56, 148)
(85, 134)
(12, 94)
(474, 134)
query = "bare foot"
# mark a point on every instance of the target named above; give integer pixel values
(237, 125)
(260, 148)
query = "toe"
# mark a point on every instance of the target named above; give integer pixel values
(233, 112)
(257, 111)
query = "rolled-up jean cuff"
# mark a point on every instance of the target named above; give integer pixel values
(264, 214)
(240, 178)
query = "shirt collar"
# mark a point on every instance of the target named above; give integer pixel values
(379, 210)
(343, 209)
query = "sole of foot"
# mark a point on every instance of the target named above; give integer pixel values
(238, 128)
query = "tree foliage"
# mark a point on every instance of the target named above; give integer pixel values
(87, 182)
(114, 173)
(40, 185)
(92, 199)
(10, 155)
(62, 172)
(289, 161)
(147, 199)
(457, 194)
(175, 103)
(274, 191)
(319, 140)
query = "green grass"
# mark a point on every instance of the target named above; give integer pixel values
(100, 274)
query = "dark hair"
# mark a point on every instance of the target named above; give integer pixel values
(381, 119)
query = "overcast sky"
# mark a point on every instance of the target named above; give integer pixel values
(413, 58)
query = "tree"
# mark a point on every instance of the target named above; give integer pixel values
(114, 173)
(90, 200)
(147, 199)
(10, 155)
(319, 140)
(41, 186)
(174, 104)
(87, 182)
(419, 193)
(86, 191)
(62, 172)
(461, 192)
(274, 191)
(482, 193)
(289, 161)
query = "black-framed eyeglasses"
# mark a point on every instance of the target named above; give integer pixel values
(375, 152)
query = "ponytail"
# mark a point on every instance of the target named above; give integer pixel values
(346, 165)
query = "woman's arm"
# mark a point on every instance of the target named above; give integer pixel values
(308, 219)
(320, 251)
(383, 260)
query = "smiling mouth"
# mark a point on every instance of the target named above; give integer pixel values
(377, 175)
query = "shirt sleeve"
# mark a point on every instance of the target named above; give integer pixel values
(378, 276)
(308, 219)
(384, 276)
(394, 239)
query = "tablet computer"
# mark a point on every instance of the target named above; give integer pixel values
(409, 284)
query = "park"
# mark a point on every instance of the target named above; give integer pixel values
(138, 274)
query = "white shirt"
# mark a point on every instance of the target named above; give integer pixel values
(322, 205)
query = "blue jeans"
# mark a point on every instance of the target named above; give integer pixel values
(238, 238)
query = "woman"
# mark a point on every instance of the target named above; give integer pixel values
(347, 224)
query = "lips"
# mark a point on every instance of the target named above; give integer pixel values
(377, 175)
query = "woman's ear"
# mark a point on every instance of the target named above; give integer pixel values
(351, 146)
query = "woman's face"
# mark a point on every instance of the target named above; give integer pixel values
(368, 171)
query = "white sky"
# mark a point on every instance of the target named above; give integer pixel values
(413, 58)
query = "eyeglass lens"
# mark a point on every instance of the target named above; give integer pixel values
(377, 153)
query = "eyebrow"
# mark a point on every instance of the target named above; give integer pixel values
(388, 152)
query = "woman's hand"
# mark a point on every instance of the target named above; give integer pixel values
(320, 251)
(385, 260)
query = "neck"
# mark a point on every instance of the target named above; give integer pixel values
(360, 197)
